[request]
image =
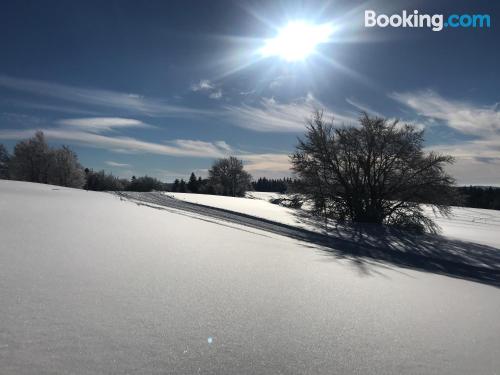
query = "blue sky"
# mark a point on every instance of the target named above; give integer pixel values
(164, 87)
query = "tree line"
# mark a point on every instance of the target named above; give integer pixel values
(275, 185)
(34, 160)
(481, 197)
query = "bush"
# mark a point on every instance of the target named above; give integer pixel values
(293, 202)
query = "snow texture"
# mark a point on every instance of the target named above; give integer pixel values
(468, 224)
(93, 283)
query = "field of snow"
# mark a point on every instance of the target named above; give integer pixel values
(467, 224)
(92, 283)
(255, 204)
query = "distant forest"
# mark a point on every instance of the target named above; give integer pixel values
(277, 185)
(481, 197)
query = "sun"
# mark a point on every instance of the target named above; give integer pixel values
(297, 40)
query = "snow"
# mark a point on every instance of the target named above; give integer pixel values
(472, 224)
(467, 224)
(90, 283)
(257, 205)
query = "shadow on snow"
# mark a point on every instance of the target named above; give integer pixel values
(365, 245)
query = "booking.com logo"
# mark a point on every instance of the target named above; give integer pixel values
(436, 21)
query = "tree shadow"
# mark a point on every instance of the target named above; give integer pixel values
(365, 244)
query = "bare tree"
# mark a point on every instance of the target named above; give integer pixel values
(375, 173)
(4, 162)
(228, 177)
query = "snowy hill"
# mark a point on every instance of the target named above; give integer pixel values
(92, 283)
(466, 224)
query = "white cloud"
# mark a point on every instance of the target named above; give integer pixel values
(215, 149)
(118, 165)
(477, 161)
(481, 121)
(203, 85)
(267, 163)
(271, 116)
(130, 103)
(223, 146)
(362, 107)
(215, 94)
(401, 122)
(101, 124)
(250, 92)
(181, 147)
(465, 117)
(49, 107)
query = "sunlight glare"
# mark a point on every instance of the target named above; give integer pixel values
(297, 40)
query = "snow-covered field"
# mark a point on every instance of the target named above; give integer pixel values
(91, 283)
(255, 204)
(467, 224)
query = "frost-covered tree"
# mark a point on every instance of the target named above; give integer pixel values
(146, 183)
(31, 160)
(35, 161)
(376, 172)
(102, 181)
(4, 162)
(64, 169)
(227, 177)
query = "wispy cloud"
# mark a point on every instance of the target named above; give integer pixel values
(207, 87)
(127, 102)
(478, 160)
(463, 116)
(467, 118)
(179, 147)
(103, 124)
(215, 94)
(267, 162)
(479, 151)
(223, 146)
(362, 107)
(118, 165)
(271, 116)
(202, 85)
(62, 108)
(193, 147)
